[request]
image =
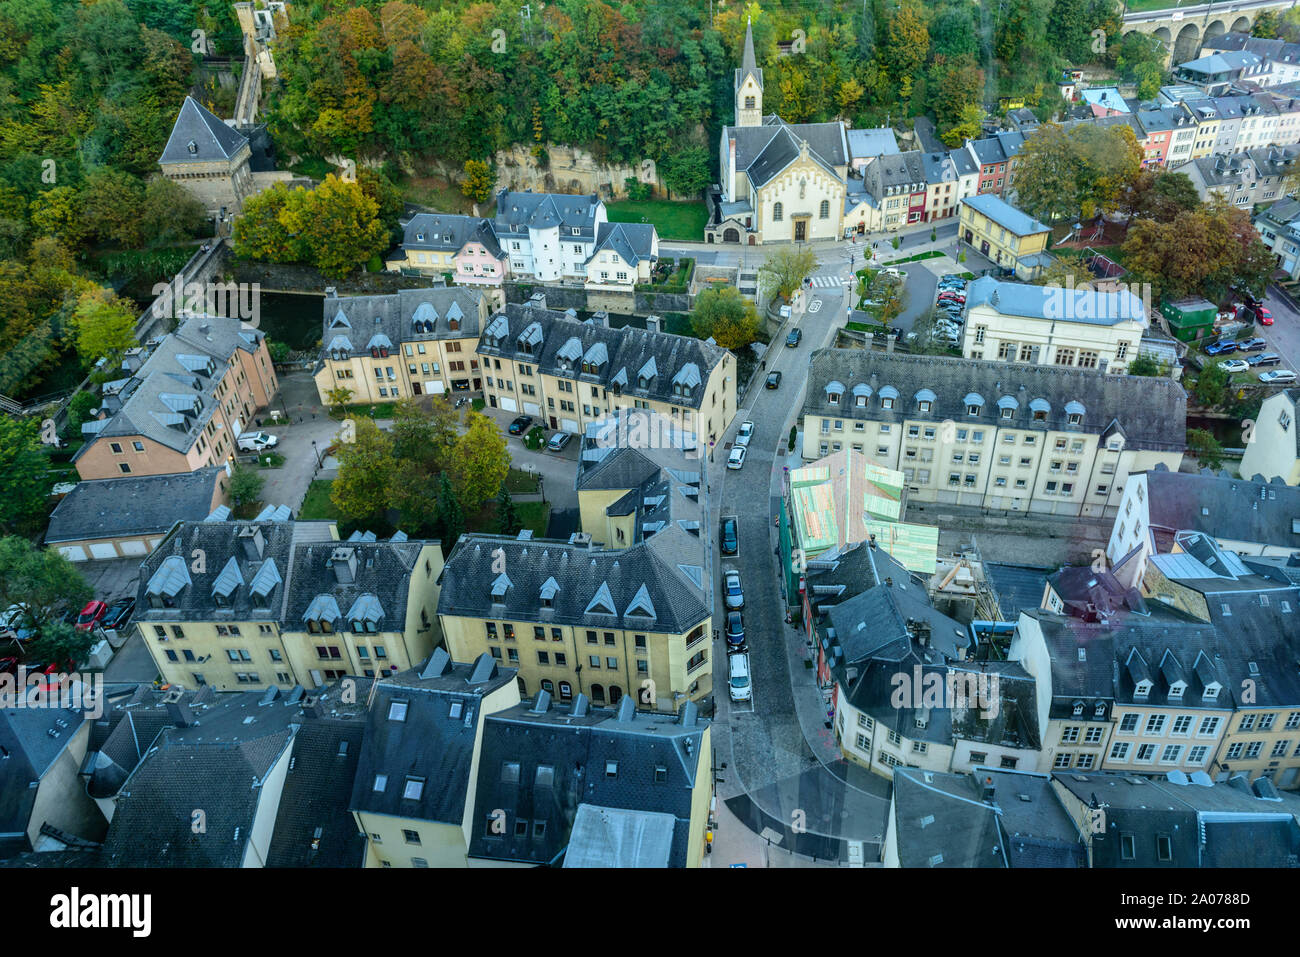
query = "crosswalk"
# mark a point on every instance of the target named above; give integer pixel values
(826, 282)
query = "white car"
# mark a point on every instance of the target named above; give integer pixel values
(257, 441)
(737, 457)
(1234, 365)
(1277, 375)
(735, 597)
(738, 683)
(745, 433)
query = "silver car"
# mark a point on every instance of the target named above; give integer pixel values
(735, 597)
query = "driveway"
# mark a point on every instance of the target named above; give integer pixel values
(1284, 335)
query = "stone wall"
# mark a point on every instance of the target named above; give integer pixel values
(656, 303)
(570, 170)
(557, 297)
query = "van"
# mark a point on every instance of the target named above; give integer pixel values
(892, 272)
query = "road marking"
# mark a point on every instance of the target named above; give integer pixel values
(825, 282)
(815, 306)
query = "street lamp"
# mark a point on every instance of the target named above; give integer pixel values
(541, 486)
(319, 461)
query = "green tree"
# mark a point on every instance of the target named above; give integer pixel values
(481, 461)
(61, 643)
(57, 212)
(786, 268)
(245, 490)
(479, 181)
(79, 409)
(451, 517)
(367, 469)
(1146, 364)
(725, 316)
(338, 223)
(1205, 447)
(169, 212)
(1211, 387)
(686, 171)
(339, 395)
(259, 232)
(23, 466)
(39, 580)
(508, 520)
(105, 328)
(386, 194)
(1266, 25)
(111, 206)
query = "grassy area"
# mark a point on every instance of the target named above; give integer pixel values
(673, 220)
(442, 195)
(380, 410)
(534, 515)
(270, 460)
(519, 482)
(317, 504)
(932, 254)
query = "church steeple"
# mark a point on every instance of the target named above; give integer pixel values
(749, 84)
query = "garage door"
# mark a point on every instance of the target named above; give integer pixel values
(73, 553)
(508, 404)
(103, 550)
(532, 408)
(133, 546)
(569, 425)
(435, 387)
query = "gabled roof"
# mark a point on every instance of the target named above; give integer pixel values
(1005, 215)
(355, 324)
(115, 508)
(1223, 507)
(448, 232)
(200, 136)
(632, 241)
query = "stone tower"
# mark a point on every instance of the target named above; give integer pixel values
(749, 85)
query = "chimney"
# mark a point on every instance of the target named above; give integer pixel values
(653, 324)
(313, 707)
(871, 541)
(537, 301)
(344, 562)
(179, 712)
(988, 791)
(331, 292)
(600, 318)
(731, 168)
(252, 542)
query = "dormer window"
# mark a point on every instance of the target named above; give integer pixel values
(1142, 689)
(1078, 709)
(419, 237)
(1177, 688)
(642, 382)
(1006, 412)
(923, 405)
(1211, 691)
(453, 324)
(1075, 419)
(1099, 711)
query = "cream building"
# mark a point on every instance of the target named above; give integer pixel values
(1273, 449)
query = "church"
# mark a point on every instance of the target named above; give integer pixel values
(783, 182)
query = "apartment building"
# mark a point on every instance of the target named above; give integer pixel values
(188, 397)
(1017, 437)
(624, 255)
(462, 249)
(571, 374)
(1015, 241)
(943, 190)
(1274, 451)
(239, 604)
(548, 237)
(1278, 226)
(1243, 179)
(1071, 326)
(409, 343)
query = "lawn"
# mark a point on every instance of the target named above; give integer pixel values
(437, 193)
(317, 504)
(682, 221)
(519, 482)
(380, 410)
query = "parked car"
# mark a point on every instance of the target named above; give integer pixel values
(793, 338)
(892, 272)
(558, 441)
(735, 629)
(745, 433)
(1265, 359)
(735, 597)
(1252, 345)
(1263, 316)
(949, 295)
(773, 379)
(257, 441)
(1220, 348)
(521, 424)
(736, 459)
(119, 613)
(1247, 297)
(91, 615)
(738, 683)
(1234, 365)
(729, 543)
(1277, 376)
(8, 665)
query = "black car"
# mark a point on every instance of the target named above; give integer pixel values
(773, 380)
(729, 543)
(521, 424)
(1265, 359)
(1252, 345)
(792, 339)
(118, 613)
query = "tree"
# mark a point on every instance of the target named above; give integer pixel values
(508, 520)
(725, 316)
(111, 206)
(787, 267)
(451, 517)
(79, 409)
(1146, 364)
(169, 212)
(1205, 447)
(57, 212)
(338, 223)
(1149, 78)
(367, 468)
(387, 196)
(61, 643)
(105, 328)
(339, 395)
(39, 580)
(925, 341)
(636, 190)
(245, 489)
(259, 232)
(1266, 25)
(23, 466)
(686, 171)
(1211, 387)
(481, 461)
(479, 181)
(1080, 173)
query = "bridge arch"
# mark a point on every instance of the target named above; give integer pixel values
(1241, 25)
(1164, 36)
(1215, 29)
(1187, 43)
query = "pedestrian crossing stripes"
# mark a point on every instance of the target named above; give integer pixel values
(824, 282)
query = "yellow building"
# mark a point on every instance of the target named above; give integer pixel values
(1004, 234)
(238, 604)
(413, 342)
(571, 374)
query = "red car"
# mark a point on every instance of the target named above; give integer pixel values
(91, 615)
(1264, 316)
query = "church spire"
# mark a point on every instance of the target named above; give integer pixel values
(748, 63)
(749, 84)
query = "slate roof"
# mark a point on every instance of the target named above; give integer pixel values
(541, 766)
(1225, 508)
(448, 232)
(116, 508)
(29, 750)
(213, 139)
(353, 323)
(748, 62)
(381, 582)
(1148, 412)
(1017, 588)
(518, 212)
(217, 765)
(434, 742)
(1230, 61)
(632, 241)
(894, 175)
(868, 143)
(314, 826)
(171, 397)
(763, 151)
(629, 350)
(1005, 215)
(613, 837)
(1081, 304)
